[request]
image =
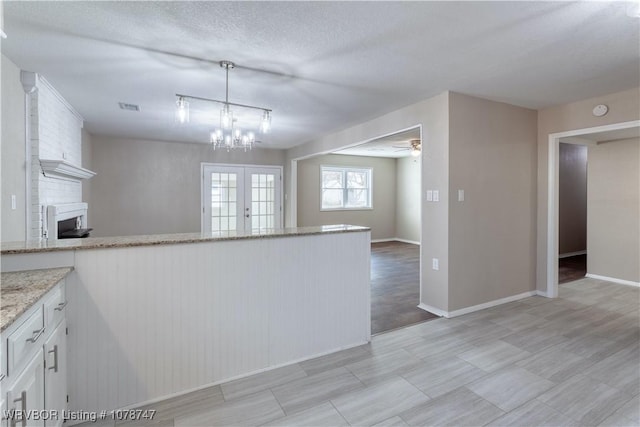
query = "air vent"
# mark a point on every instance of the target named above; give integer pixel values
(129, 107)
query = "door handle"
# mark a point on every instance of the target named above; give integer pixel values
(36, 335)
(55, 358)
(23, 403)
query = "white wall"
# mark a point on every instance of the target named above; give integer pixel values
(572, 185)
(381, 219)
(408, 199)
(12, 151)
(613, 210)
(153, 187)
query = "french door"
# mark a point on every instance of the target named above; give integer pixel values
(241, 198)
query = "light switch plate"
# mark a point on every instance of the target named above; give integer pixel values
(461, 195)
(429, 196)
(436, 196)
(435, 264)
(13, 202)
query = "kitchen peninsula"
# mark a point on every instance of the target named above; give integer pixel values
(155, 316)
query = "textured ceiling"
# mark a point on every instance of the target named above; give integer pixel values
(321, 66)
(393, 146)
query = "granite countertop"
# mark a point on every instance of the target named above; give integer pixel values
(167, 239)
(20, 290)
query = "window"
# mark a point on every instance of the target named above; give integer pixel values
(345, 188)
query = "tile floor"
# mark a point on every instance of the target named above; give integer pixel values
(570, 361)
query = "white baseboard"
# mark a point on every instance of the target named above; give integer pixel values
(613, 280)
(568, 254)
(395, 239)
(413, 242)
(467, 310)
(542, 294)
(433, 310)
(382, 240)
(490, 304)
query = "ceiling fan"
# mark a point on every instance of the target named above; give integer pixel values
(414, 145)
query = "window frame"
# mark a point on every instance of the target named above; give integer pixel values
(344, 170)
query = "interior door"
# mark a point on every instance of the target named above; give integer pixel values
(241, 198)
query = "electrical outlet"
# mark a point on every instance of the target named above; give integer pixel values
(435, 264)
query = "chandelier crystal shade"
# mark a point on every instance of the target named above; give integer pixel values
(229, 134)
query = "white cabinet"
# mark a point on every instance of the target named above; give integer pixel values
(26, 395)
(55, 375)
(34, 351)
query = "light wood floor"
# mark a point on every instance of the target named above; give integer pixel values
(572, 360)
(395, 286)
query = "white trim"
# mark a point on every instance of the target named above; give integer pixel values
(412, 242)
(613, 280)
(490, 304)
(542, 294)
(64, 170)
(433, 310)
(293, 197)
(570, 254)
(27, 166)
(395, 239)
(553, 199)
(473, 308)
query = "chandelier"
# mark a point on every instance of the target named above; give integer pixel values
(229, 134)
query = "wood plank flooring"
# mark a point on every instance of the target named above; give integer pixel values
(572, 268)
(395, 286)
(572, 360)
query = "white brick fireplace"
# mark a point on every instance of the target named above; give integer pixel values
(55, 132)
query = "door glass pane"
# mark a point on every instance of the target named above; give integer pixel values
(263, 209)
(223, 201)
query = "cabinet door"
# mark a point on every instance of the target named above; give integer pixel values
(26, 396)
(55, 377)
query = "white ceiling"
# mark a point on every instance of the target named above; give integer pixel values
(387, 146)
(321, 66)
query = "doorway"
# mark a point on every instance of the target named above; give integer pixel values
(394, 215)
(241, 198)
(589, 137)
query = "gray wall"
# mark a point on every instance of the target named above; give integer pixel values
(492, 232)
(613, 210)
(12, 152)
(623, 107)
(381, 219)
(408, 199)
(153, 187)
(572, 184)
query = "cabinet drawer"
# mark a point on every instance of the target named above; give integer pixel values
(24, 340)
(55, 305)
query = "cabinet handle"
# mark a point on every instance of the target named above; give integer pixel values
(36, 335)
(55, 358)
(23, 403)
(61, 306)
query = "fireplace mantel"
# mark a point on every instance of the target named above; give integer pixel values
(64, 170)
